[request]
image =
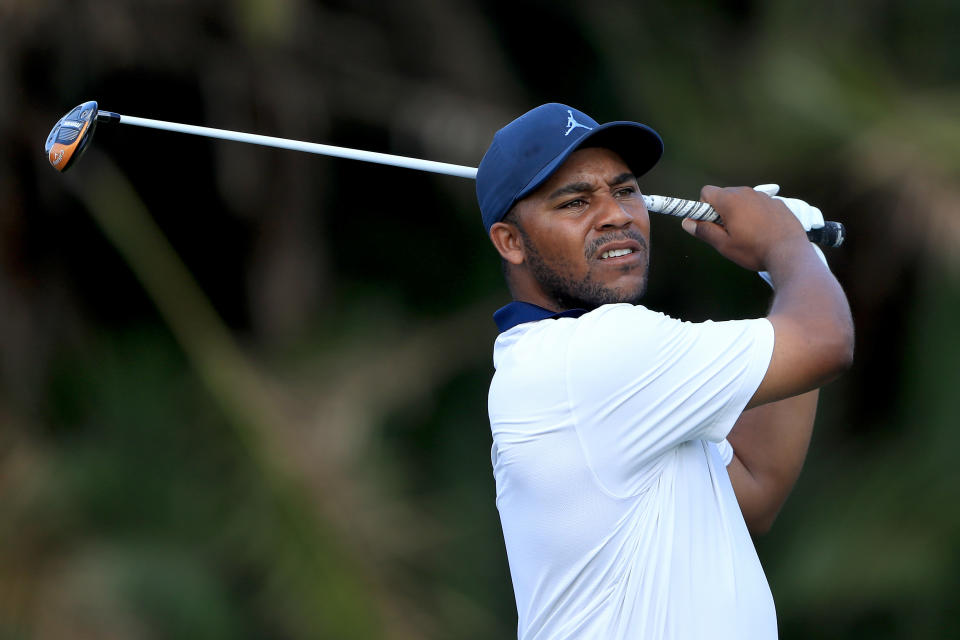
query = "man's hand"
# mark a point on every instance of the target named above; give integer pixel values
(754, 225)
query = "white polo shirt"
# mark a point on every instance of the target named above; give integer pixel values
(617, 510)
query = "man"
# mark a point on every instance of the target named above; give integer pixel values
(625, 512)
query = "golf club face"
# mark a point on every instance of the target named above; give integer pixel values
(70, 136)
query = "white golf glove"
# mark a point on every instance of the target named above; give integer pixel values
(809, 216)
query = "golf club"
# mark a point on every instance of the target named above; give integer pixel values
(71, 136)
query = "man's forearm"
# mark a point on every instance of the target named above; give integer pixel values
(770, 444)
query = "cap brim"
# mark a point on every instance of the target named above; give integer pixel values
(638, 145)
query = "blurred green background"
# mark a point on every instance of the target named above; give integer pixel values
(243, 391)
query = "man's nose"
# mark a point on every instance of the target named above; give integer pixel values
(613, 213)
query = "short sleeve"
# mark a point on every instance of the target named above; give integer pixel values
(641, 383)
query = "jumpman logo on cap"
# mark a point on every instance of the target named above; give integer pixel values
(573, 124)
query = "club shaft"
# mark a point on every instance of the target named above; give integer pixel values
(658, 204)
(309, 147)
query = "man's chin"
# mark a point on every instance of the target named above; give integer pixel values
(631, 294)
(591, 298)
(629, 287)
(590, 291)
(628, 298)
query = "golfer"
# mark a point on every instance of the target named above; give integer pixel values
(635, 453)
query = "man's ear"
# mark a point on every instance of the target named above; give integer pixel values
(508, 241)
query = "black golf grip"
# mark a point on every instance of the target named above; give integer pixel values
(831, 234)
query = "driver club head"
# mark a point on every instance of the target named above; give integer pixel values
(70, 136)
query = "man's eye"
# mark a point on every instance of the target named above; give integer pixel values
(573, 204)
(625, 192)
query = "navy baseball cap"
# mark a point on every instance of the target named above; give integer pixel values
(526, 152)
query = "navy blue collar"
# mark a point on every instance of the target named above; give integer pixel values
(509, 316)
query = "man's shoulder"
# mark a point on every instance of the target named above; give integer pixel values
(610, 331)
(636, 315)
(607, 317)
(610, 326)
(625, 313)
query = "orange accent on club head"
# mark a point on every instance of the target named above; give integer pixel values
(61, 154)
(69, 137)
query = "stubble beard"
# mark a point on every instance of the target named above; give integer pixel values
(584, 293)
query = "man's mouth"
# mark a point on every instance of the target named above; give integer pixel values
(615, 253)
(617, 245)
